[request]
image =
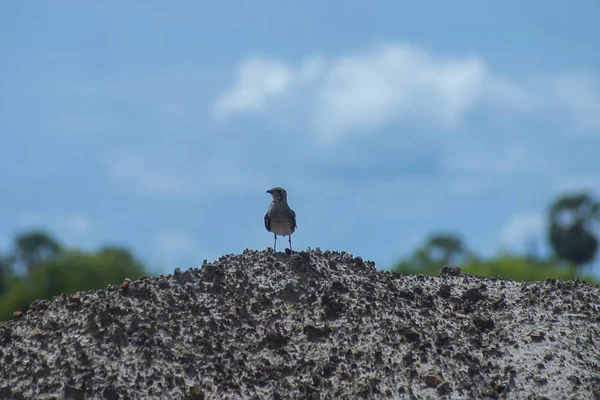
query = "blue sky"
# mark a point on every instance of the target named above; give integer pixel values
(160, 127)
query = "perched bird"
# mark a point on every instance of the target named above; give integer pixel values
(280, 219)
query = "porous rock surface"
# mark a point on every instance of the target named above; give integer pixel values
(311, 325)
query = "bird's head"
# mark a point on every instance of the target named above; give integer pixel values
(278, 194)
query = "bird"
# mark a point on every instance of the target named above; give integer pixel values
(280, 219)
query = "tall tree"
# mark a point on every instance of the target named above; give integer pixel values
(571, 228)
(439, 249)
(5, 271)
(34, 247)
(444, 248)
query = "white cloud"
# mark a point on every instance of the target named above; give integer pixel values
(386, 84)
(311, 69)
(398, 82)
(261, 82)
(521, 228)
(258, 80)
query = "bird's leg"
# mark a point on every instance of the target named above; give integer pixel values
(290, 236)
(275, 244)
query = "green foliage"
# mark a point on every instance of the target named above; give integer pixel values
(439, 249)
(570, 229)
(68, 271)
(506, 266)
(571, 234)
(520, 268)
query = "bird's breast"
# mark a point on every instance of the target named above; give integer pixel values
(281, 226)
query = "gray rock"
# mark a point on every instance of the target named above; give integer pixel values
(315, 324)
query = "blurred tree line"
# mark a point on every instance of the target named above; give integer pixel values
(572, 233)
(39, 267)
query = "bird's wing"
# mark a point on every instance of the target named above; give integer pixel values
(268, 222)
(293, 219)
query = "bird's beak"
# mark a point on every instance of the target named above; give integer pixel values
(269, 191)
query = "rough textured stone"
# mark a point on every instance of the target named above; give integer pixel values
(319, 325)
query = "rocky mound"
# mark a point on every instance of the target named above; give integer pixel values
(311, 325)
